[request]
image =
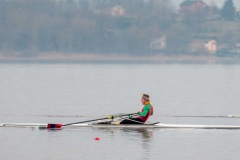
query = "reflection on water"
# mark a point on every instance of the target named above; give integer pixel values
(145, 137)
(145, 133)
(136, 141)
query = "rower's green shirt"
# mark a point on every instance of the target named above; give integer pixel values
(145, 111)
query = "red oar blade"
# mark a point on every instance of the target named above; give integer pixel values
(54, 126)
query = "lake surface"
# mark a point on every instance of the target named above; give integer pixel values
(65, 93)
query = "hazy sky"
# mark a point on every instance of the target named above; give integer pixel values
(218, 2)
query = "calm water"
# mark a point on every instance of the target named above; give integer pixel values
(64, 93)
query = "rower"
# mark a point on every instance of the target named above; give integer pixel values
(143, 116)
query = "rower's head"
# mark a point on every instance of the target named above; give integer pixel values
(145, 98)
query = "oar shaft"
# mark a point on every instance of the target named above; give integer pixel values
(228, 116)
(109, 117)
(84, 121)
(97, 119)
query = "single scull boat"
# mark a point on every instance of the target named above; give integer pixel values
(108, 122)
(154, 125)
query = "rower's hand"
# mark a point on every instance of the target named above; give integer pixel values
(137, 112)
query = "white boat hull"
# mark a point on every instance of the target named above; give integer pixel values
(161, 125)
(158, 125)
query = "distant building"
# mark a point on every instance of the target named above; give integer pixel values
(158, 43)
(203, 46)
(211, 46)
(238, 14)
(114, 11)
(192, 6)
(117, 11)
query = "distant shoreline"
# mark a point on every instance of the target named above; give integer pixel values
(68, 58)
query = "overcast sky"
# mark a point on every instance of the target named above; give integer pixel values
(218, 2)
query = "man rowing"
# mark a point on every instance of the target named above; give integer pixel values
(143, 116)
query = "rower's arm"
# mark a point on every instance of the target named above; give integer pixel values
(146, 109)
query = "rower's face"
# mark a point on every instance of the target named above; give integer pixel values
(143, 101)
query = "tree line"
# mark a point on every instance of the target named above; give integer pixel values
(31, 27)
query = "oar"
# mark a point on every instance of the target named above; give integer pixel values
(52, 126)
(228, 116)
